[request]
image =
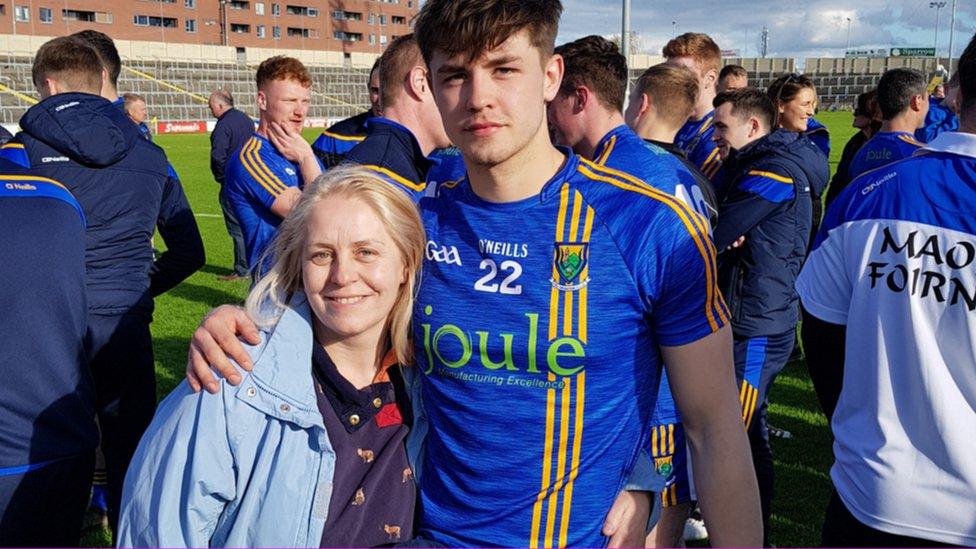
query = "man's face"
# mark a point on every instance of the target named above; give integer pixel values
(138, 112)
(706, 79)
(565, 123)
(285, 102)
(495, 105)
(732, 82)
(374, 92)
(730, 131)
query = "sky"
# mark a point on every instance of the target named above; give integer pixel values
(815, 28)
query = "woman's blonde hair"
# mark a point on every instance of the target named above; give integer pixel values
(395, 210)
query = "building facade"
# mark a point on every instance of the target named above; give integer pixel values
(365, 26)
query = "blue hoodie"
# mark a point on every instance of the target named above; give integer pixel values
(126, 189)
(769, 202)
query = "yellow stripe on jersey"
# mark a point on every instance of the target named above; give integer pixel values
(587, 229)
(910, 140)
(12, 146)
(256, 174)
(605, 155)
(263, 168)
(705, 126)
(560, 462)
(341, 137)
(577, 445)
(397, 177)
(550, 393)
(692, 221)
(706, 166)
(717, 301)
(771, 175)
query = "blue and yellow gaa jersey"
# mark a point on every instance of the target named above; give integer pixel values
(537, 327)
(883, 149)
(695, 139)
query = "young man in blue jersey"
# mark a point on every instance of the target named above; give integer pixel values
(890, 284)
(699, 53)
(537, 413)
(338, 139)
(763, 230)
(660, 104)
(127, 191)
(262, 184)
(47, 403)
(904, 101)
(587, 116)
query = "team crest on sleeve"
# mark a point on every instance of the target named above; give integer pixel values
(663, 465)
(570, 261)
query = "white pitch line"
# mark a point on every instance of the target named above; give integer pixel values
(207, 215)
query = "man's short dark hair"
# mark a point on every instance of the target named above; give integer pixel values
(400, 57)
(105, 47)
(673, 90)
(896, 89)
(748, 102)
(72, 62)
(733, 70)
(966, 69)
(473, 27)
(596, 63)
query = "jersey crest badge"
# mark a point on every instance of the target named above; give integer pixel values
(663, 466)
(570, 259)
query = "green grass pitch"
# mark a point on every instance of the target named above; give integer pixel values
(802, 462)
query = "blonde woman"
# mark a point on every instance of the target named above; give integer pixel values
(310, 449)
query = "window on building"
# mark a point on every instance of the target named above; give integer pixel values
(103, 17)
(259, 8)
(409, 3)
(3, 9)
(192, 4)
(239, 4)
(153, 21)
(382, 39)
(45, 15)
(276, 32)
(372, 39)
(348, 36)
(340, 15)
(275, 9)
(260, 31)
(398, 20)
(191, 25)
(372, 19)
(79, 15)
(382, 19)
(240, 28)
(22, 14)
(299, 32)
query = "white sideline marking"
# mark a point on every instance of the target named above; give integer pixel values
(207, 215)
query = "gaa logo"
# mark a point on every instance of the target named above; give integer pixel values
(663, 466)
(443, 254)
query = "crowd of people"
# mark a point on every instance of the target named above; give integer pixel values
(507, 305)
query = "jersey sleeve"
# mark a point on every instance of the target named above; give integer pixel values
(684, 302)
(255, 177)
(824, 286)
(753, 196)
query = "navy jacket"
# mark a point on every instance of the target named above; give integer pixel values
(126, 189)
(769, 202)
(335, 142)
(46, 398)
(233, 129)
(392, 151)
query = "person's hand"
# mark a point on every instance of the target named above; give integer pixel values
(289, 142)
(216, 339)
(626, 523)
(738, 243)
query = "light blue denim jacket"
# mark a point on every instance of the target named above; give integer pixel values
(250, 466)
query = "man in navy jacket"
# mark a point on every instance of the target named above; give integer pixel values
(762, 234)
(127, 190)
(47, 416)
(233, 129)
